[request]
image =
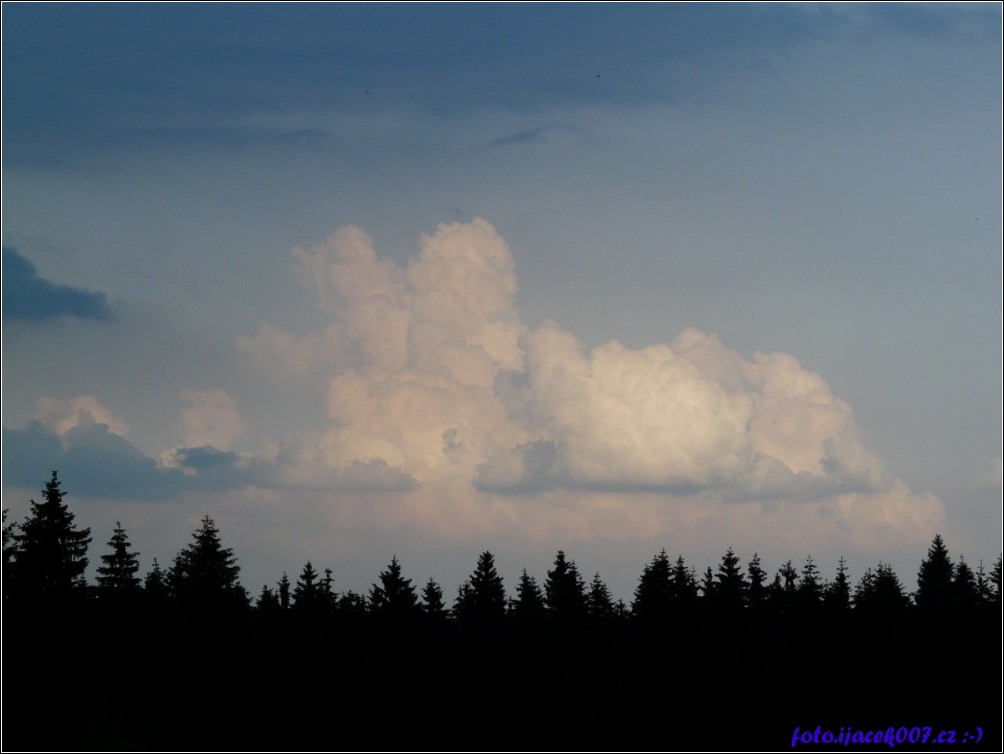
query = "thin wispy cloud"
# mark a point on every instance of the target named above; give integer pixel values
(530, 135)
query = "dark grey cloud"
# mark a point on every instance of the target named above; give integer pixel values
(91, 459)
(114, 74)
(522, 470)
(27, 296)
(205, 457)
(96, 462)
(538, 466)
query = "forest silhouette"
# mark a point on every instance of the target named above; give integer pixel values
(185, 658)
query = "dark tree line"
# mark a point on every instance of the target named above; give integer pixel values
(484, 650)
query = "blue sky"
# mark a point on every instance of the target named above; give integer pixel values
(370, 279)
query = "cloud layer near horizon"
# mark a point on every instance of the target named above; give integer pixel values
(446, 416)
(429, 370)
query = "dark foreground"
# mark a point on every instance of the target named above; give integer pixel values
(84, 678)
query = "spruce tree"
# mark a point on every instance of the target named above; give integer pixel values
(528, 605)
(889, 592)
(995, 581)
(965, 594)
(483, 601)
(864, 591)
(809, 589)
(306, 594)
(756, 592)
(155, 583)
(934, 580)
(204, 574)
(654, 593)
(564, 590)
(837, 595)
(268, 602)
(9, 554)
(394, 598)
(283, 588)
(353, 606)
(708, 587)
(731, 585)
(984, 593)
(784, 589)
(432, 601)
(51, 551)
(880, 591)
(117, 576)
(326, 597)
(682, 587)
(599, 603)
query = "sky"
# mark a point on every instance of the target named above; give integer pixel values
(425, 280)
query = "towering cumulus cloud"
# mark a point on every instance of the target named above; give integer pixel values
(430, 373)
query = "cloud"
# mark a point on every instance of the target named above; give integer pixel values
(211, 418)
(681, 417)
(533, 134)
(481, 424)
(29, 297)
(61, 415)
(95, 461)
(990, 479)
(414, 350)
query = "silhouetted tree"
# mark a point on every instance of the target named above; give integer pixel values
(708, 586)
(756, 592)
(155, 583)
(838, 593)
(995, 580)
(482, 598)
(934, 580)
(307, 592)
(731, 586)
(653, 597)
(352, 605)
(268, 601)
(880, 591)
(432, 601)
(9, 553)
(984, 592)
(284, 591)
(964, 590)
(564, 590)
(785, 588)
(204, 574)
(682, 587)
(327, 600)
(394, 598)
(599, 603)
(809, 589)
(117, 576)
(789, 578)
(528, 606)
(156, 594)
(51, 551)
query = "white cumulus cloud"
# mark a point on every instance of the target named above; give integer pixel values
(210, 417)
(60, 415)
(431, 375)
